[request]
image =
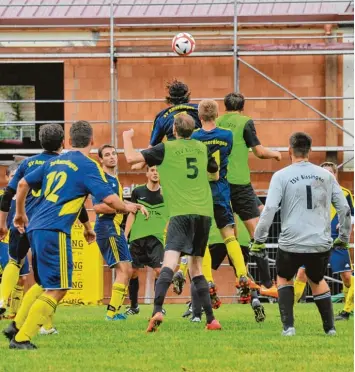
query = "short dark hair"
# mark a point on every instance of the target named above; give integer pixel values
(51, 136)
(103, 147)
(184, 125)
(12, 167)
(300, 143)
(178, 93)
(234, 101)
(81, 134)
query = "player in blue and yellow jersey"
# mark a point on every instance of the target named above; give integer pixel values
(17, 292)
(110, 237)
(219, 142)
(340, 261)
(51, 139)
(178, 101)
(66, 182)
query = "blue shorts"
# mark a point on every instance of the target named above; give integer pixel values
(114, 249)
(340, 260)
(222, 208)
(223, 214)
(4, 259)
(4, 256)
(52, 258)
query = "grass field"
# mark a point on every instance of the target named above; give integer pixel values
(88, 343)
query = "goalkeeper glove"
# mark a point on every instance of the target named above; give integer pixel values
(256, 247)
(340, 244)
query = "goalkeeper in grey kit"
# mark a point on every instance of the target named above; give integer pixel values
(306, 192)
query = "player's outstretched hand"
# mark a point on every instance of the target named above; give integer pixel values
(90, 236)
(144, 211)
(3, 232)
(256, 247)
(278, 156)
(340, 244)
(21, 222)
(131, 208)
(128, 133)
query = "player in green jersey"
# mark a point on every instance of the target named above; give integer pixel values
(146, 236)
(183, 165)
(243, 198)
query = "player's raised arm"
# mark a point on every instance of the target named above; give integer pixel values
(152, 156)
(252, 141)
(273, 201)
(132, 156)
(343, 210)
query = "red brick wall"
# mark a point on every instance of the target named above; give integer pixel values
(206, 77)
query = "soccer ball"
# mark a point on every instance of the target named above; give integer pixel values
(183, 44)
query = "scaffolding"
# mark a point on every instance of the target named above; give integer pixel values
(235, 50)
(112, 36)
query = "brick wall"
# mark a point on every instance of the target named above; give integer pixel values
(206, 77)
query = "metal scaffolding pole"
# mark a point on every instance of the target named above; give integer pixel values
(296, 97)
(179, 25)
(345, 162)
(235, 47)
(121, 151)
(159, 3)
(12, 56)
(157, 100)
(112, 74)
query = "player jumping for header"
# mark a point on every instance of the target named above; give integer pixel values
(183, 166)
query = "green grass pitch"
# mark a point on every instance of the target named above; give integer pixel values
(88, 343)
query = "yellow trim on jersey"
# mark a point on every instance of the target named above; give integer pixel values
(119, 216)
(102, 173)
(2, 192)
(63, 259)
(346, 193)
(72, 206)
(114, 248)
(7, 238)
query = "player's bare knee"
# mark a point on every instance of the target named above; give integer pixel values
(227, 231)
(318, 288)
(195, 266)
(283, 281)
(346, 278)
(57, 294)
(301, 275)
(134, 273)
(21, 281)
(171, 259)
(156, 271)
(251, 225)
